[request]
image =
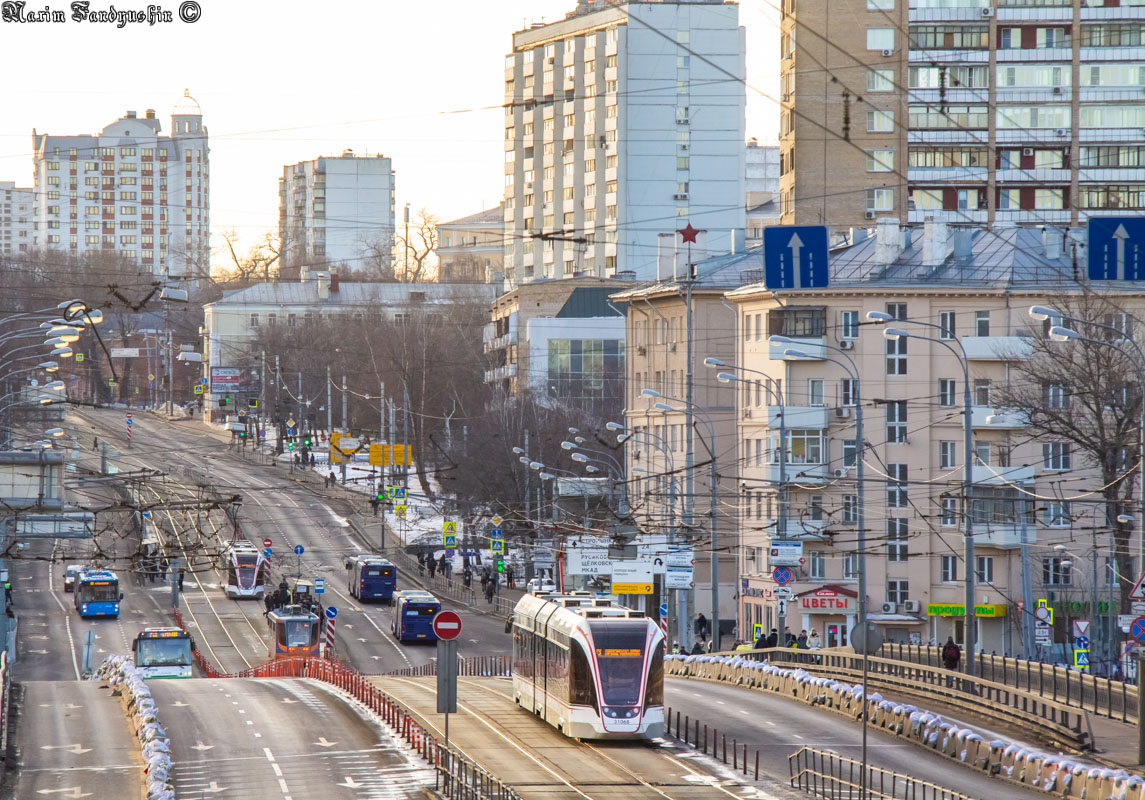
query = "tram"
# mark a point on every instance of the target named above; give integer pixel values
(412, 620)
(294, 631)
(163, 653)
(372, 578)
(589, 668)
(96, 593)
(247, 570)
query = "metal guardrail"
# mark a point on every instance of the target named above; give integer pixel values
(5, 701)
(830, 776)
(477, 667)
(1099, 696)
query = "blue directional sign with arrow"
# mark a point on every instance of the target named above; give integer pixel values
(1115, 245)
(795, 256)
(299, 549)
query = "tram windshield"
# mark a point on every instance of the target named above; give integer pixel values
(98, 591)
(163, 652)
(297, 633)
(620, 654)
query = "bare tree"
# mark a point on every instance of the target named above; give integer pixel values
(415, 263)
(259, 263)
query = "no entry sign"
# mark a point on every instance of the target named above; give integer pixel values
(447, 625)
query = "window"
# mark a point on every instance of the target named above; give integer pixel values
(896, 486)
(897, 310)
(946, 324)
(818, 565)
(1056, 514)
(896, 356)
(1055, 395)
(991, 505)
(881, 5)
(850, 508)
(880, 38)
(880, 199)
(849, 325)
(848, 391)
(947, 117)
(850, 565)
(804, 447)
(815, 508)
(254, 320)
(797, 322)
(815, 392)
(1056, 456)
(898, 591)
(950, 37)
(982, 391)
(850, 452)
(1049, 199)
(896, 422)
(897, 539)
(947, 454)
(949, 77)
(984, 569)
(880, 121)
(948, 569)
(982, 453)
(880, 160)
(1057, 571)
(880, 80)
(949, 517)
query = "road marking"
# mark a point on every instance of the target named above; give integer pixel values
(77, 749)
(282, 785)
(288, 700)
(76, 792)
(67, 615)
(742, 711)
(277, 769)
(202, 747)
(350, 783)
(323, 742)
(214, 788)
(769, 722)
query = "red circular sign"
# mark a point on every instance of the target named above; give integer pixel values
(447, 625)
(267, 542)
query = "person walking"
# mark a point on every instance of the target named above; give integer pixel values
(509, 576)
(490, 587)
(701, 626)
(761, 642)
(813, 641)
(802, 640)
(268, 601)
(432, 564)
(951, 654)
(772, 638)
(467, 576)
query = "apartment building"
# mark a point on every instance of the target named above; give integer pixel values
(1024, 112)
(762, 187)
(337, 212)
(130, 191)
(621, 121)
(977, 287)
(16, 219)
(562, 341)
(472, 249)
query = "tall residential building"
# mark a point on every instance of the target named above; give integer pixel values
(16, 219)
(471, 249)
(337, 212)
(130, 191)
(762, 187)
(621, 122)
(1020, 112)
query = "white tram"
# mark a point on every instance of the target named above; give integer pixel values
(591, 669)
(247, 570)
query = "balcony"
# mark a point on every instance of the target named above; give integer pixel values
(947, 215)
(1003, 536)
(500, 342)
(997, 348)
(798, 417)
(1111, 175)
(946, 174)
(1003, 419)
(1035, 14)
(988, 475)
(1031, 135)
(812, 346)
(500, 373)
(1040, 175)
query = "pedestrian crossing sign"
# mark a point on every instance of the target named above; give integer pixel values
(396, 492)
(496, 545)
(757, 632)
(450, 526)
(1081, 659)
(400, 510)
(451, 540)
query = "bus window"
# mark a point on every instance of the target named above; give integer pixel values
(163, 652)
(101, 592)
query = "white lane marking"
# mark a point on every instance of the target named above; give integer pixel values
(769, 722)
(282, 785)
(63, 608)
(277, 769)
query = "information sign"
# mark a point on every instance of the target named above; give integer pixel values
(785, 553)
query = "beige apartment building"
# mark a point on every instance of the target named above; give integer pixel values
(978, 286)
(471, 249)
(1023, 112)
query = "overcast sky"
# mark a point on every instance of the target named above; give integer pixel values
(421, 82)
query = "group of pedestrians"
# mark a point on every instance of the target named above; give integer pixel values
(282, 597)
(803, 641)
(155, 568)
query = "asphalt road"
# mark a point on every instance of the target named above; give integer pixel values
(278, 739)
(72, 740)
(778, 728)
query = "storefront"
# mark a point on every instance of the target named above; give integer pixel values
(829, 610)
(949, 620)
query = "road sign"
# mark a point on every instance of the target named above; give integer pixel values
(331, 612)
(1115, 248)
(1138, 590)
(145, 514)
(319, 586)
(449, 526)
(400, 510)
(663, 609)
(290, 423)
(1137, 629)
(197, 389)
(785, 553)
(1081, 642)
(1080, 628)
(1081, 659)
(79, 358)
(267, 552)
(781, 607)
(757, 631)
(130, 421)
(299, 549)
(450, 540)
(795, 256)
(1124, 621)
(496, 545)
(267, 542)
(496, 533)
(150, 377)
(781, 575)
(497, 520)
(784, 592)
(202, 381)
(447, 625)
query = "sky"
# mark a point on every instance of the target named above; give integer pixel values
(283, 82)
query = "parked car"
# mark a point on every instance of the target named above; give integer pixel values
(70, 572)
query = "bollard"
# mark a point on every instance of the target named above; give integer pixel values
(735, 753)
(745, 759)
(757, 765)
(705, 737)
(725, 748)
(686, 730)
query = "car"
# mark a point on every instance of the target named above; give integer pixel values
(70, 572)
(541, 585)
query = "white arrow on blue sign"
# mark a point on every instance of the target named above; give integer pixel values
(268, 552)
(1115, 248)
(795, 256)
(1081, 643)
(495, 533)
(299, 549)
(331, 612)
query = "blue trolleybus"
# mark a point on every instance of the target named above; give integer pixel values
(97, 593)
(163, 653)
(414, 610)
(372, 578)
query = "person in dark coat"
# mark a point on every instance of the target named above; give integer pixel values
(802, 640)
(490, 587)
(268, 601)
(441, 566)
(467, 576)
(697, 649)
(432, 565)
(701, 625)
(761, 642)
(951, 654)
(772, 638)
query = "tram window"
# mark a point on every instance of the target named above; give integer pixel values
(620, 655)
(295, 633)
(582, 690)
(654, 691)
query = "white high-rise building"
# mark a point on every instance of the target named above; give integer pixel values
(128, 190)
(337, 212)
(16, 219)
(622, 122)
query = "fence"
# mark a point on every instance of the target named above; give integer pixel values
(830, 776)
(1102, 697)
(689, 726)
(5, 700)
(478, 667)
(449, 588)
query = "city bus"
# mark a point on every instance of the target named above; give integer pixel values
(163, 653)
(372, 578)
(247, 570)
(97, 593)
(294, 631)
(414, 610)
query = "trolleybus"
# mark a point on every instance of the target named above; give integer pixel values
(372, 578)
(414, 610)
(163, 653)
(96, 593)
(247, 570)
(294, 631)
(591, 669)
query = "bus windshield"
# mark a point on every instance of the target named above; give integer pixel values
(163, 653)
(99, 592)
(295, 633)
(620, 653)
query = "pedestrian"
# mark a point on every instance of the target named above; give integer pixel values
(441, 567)
(802, 640)
(164, 565)
(8, 593)
(312, 460)
(467, 576)
(951, 654)
(788, 637)
(95, 443)
(701, 625)
(268, 601)
(813, 641)
(761, 642)
(675, 648)
(772, 638)
(697, 648)
(182, 573)
(333, 480)
(509, 576)
(490, 587)
(421, 563)
(432, 564)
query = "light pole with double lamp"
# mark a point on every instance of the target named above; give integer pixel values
(894, 334)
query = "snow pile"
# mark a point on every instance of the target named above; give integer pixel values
(121, 674)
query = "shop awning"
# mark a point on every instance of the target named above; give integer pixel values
(895, 619)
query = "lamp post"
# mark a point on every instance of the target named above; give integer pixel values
(893, 334)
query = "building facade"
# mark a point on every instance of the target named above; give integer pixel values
(337, 213)
(621, 121)
(974, 287)
(762, 186)
(17, 223)
(994, 112)
(129, 191)
(472, 249)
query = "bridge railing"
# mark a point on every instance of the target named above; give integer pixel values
(824, 774)
(499, 666)
(1099, 696)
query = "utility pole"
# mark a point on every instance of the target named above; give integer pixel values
(686, 631)
(405, 264)
(262, 390)
(345, 417)
(405, 424)
(329, 401)
(170, 367)
(1028, 646)
(277, 385)
(301, 410)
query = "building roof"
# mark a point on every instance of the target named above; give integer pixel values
(490, 216)
(305, 293)
(587, 302)
(722, 272)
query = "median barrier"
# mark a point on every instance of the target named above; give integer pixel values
(1052, 772)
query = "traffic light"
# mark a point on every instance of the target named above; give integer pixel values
(306, 440)
(290, 444)
(223, 402)
(500, 563)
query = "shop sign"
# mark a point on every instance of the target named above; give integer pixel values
(825, 600)
(959, 610)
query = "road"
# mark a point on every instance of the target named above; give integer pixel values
(778, 727)
(74, 741)
(279, 739)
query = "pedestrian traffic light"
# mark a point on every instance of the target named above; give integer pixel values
(223, 402)
(306, 440)
(290, 444)
(500, 562)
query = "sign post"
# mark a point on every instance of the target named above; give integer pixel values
(331, 613)
(447, 626)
